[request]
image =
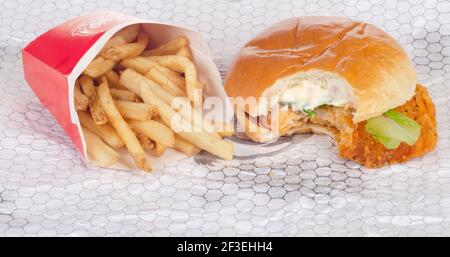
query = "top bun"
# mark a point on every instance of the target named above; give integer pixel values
(375, 67)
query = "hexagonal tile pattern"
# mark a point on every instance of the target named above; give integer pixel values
(301, 188)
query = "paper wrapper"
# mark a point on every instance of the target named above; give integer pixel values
(54, 60)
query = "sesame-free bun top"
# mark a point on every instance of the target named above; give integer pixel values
(373, 65)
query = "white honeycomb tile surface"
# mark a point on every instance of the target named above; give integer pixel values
(301, 189)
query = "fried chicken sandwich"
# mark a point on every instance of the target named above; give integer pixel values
(334, 76)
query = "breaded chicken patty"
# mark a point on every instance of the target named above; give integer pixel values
(354, 142)
(364, 149)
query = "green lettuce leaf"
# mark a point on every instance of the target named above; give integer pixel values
(411, 127)
(310, 113)
(392, 128)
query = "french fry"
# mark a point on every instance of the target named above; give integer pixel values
(105, 131)
(185, 147)
(81, 101)
(123, 36)
(98, 151)
(139, 64)
(172, 119)
(145, 142)
(154, 130)
(136, 111)
(200, 85)
(120, 52)
(155, 75)
(226, 133)
(124, 95)
(144, 64)
(128, 137)
(158, 150)
(98, 67)
(184, 65)
(186, 52)
(133, 80)
(168, 48)
(113, 79)
(97, 112)
(184, 108)
(176, 78)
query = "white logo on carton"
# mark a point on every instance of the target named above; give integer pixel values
(90, 27)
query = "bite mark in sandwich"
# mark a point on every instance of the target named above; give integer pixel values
(334, 76)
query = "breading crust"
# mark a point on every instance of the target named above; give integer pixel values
(362, 148)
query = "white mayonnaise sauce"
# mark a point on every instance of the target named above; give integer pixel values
(309, 90)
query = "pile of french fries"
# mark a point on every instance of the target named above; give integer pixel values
(124, 98)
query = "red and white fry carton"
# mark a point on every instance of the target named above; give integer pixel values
(54, 60)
